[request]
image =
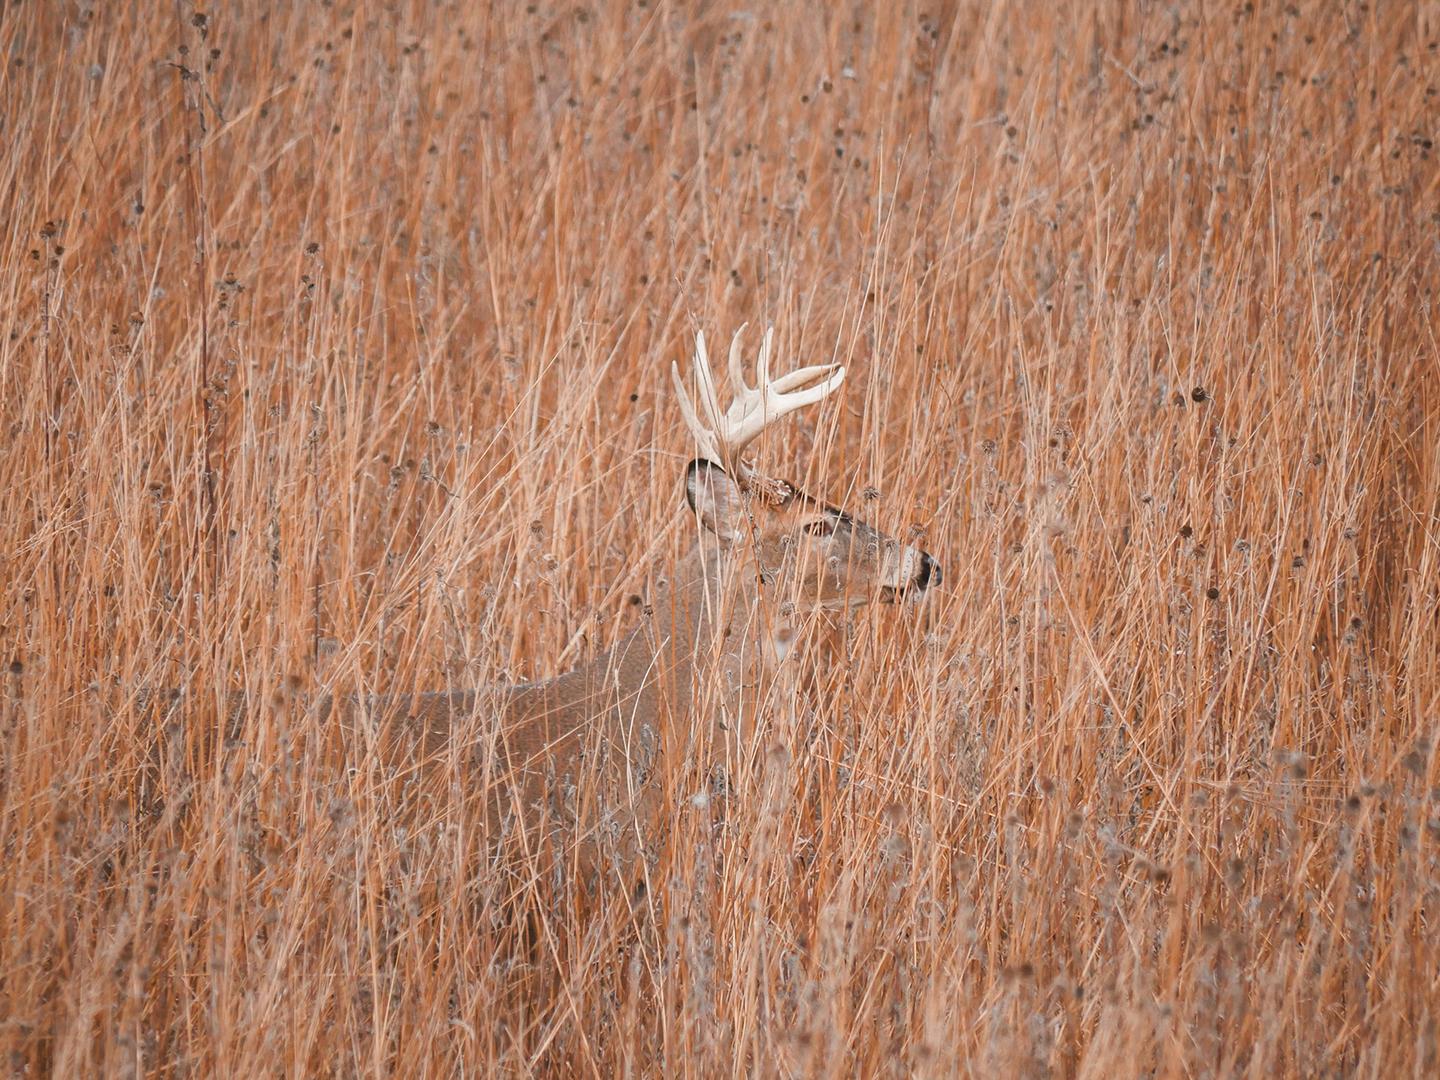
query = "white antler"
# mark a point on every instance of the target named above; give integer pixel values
(752, 409)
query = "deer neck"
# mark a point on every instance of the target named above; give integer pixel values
(703, 648)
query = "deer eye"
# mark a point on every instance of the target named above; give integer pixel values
(823, 527)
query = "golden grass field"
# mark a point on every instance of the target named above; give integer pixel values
(334, 358)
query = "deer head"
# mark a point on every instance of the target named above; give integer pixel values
(805, 550)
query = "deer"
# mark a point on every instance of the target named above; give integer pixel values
(579, 765)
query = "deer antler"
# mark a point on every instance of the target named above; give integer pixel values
(752, 409)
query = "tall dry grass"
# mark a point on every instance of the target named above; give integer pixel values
(352, 322)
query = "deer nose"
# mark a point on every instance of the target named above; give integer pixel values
(929, 573)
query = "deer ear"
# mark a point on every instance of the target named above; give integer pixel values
(715, 498)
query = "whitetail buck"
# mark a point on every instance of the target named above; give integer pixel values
(581, 766)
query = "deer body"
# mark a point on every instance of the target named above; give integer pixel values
(586, 755)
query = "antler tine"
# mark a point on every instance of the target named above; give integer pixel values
(709, 400)
(793, 379)
(737, 367)
(762, 363)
